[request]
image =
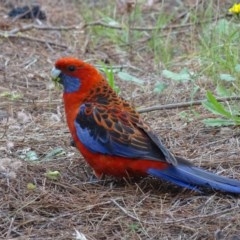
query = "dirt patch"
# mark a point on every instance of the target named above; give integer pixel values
(33, 122)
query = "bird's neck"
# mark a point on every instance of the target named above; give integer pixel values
(72, 103)
(95, 92)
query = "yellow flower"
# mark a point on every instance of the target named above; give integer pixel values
(235, 8)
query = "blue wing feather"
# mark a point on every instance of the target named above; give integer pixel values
(105, 133)
(194, 178)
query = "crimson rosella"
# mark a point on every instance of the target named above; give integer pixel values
(114, 139)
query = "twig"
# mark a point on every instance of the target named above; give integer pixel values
(46, 27)
(202, 216)
(182, 105)
(100, 23)
(10, 226)
(6, 35)
(5, 128)
(26, 204)
(130, 215)
(215, 214)
(125, 211)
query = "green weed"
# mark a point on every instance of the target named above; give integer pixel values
(123, 75)
(14, 96)
(109, 73)
(229, 116)
(161, 47)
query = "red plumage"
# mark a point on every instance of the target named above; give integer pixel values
(113, 138)
(93, 83)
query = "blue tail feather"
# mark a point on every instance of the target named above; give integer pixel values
(194, 178)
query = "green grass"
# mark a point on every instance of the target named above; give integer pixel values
(228, 115)
(219, 47)
(219, 54)
(123, 38)
(213, 42)
(126, 39)
(110, 76)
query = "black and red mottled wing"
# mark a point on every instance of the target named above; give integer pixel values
(111, 126)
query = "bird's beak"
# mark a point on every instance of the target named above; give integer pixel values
(55, 74)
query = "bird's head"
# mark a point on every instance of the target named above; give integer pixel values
(74, 74)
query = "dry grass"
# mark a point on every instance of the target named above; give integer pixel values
(146, 209)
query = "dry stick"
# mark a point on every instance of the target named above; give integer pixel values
(52, 28)
(6, 35)
(211, 215)
(129, 214)
(6, 126)
(182, 105)
(10, 226)
(215, 214)
(13, 32)
(125, 211)
(98, 23)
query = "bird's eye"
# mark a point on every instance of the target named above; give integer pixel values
(71, 68)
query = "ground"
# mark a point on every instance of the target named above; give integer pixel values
(35, 141)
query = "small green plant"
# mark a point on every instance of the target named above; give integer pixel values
(189, 115)
(110, 72)
(134, 227)
(229, 84)
(185, 75)
(11, 95)
(130, 78)
(159, 87)
(110, 75)
(228, 115)
(161, 47)
(31, 186)
(52, 175)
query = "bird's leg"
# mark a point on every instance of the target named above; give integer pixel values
(72, 143)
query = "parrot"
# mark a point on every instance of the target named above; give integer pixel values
(113, 138)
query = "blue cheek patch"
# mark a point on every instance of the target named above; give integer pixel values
(70, 84)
